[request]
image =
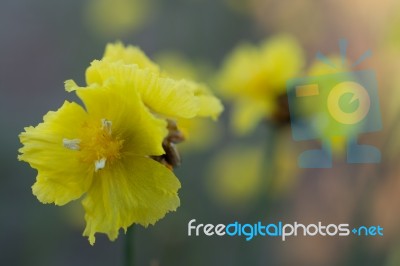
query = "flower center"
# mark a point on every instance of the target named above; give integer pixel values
(98, 145)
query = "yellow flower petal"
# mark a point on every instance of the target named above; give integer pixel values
(142, 132)
(138, 190)
(209, 105)
(163, 96)
(129, 55)
(103, 73)
(171, 98)
(70, 85)
(61, 176)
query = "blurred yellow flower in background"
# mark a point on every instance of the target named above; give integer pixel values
(235, 176)
(283, 173)
(239, 174)
(254, 79)
(116, 17)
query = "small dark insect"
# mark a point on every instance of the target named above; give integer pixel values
(171, 158)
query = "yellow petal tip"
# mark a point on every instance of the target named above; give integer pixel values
(70, 85)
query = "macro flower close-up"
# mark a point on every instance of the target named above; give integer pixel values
(176, 133)
(102, 153)
(111, 152)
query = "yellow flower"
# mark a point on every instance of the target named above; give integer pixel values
(254, 78)
(116, 17)
(114, 151)
(102, 153)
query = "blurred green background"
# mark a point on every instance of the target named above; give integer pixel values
(43, 43)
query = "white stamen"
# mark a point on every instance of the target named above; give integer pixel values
(106, 125)
(72, 144)
(99, 164)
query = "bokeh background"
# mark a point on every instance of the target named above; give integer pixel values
(225, 177)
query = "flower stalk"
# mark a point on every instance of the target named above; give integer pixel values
(129, 247)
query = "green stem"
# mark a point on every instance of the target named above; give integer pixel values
(129, 248)
(269, 170)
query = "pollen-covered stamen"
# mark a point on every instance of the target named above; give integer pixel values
(99, 164)
(101, 146)
(106, 125)
(72, 144)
